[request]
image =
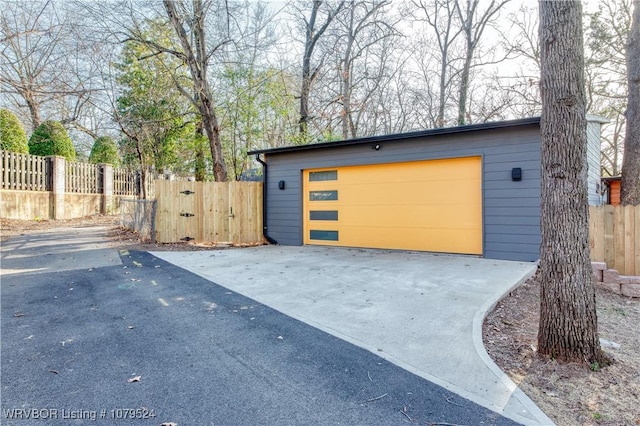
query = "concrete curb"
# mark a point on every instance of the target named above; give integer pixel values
(517, 394)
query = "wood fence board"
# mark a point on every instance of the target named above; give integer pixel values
(618, 240)
(636, 255)
(223, 212)
(629, 239)
(199, 211)
(609, 246)
(187, 220)
(220, 197)
(595, 234)
(614, 237)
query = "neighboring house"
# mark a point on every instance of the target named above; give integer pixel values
(471, 189)
(594, 168)
(612, 190)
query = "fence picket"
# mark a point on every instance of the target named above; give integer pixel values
(223, 212)
(614, 233)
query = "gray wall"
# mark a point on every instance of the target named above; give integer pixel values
(594, 125)
(511, 209)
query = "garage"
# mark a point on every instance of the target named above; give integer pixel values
(472, 189)
(433, 205)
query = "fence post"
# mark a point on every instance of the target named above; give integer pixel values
(57, 186)
(106, 188)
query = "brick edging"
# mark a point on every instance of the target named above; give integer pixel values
(610, 279)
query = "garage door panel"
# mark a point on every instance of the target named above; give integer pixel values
(441, 171)
(430, 216)
(433, 205)
(438, 240)
(415, 193)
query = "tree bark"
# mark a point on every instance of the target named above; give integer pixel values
(197, 61)
(568, 323)
(346, 80)
(312, 35)
(630, 191)
(311, 39)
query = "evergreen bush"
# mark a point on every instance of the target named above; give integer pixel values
(12, 135)
(105, 150)
(51, 138)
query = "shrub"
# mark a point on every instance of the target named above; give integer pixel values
(105, 150)
(12, 135)
(51, 138)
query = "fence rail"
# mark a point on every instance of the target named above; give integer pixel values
(125, 182)
(82, 178)
(614, 237)
(53, 188)
(24, 172)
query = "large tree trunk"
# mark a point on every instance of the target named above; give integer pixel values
(312, 35)
(200, 164)
(311, 39)
(568, 323)
(196, 58)
(631, 161)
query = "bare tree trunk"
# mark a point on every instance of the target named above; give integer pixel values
(311, 39)
(346, 80)
(630, 191)
(440, 15)
(312, 35)
(568, 324)
(473, 30)
(198, 61)
(200, 170)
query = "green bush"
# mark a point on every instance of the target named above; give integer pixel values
(12, 135)
(51, 138)
(105, 150)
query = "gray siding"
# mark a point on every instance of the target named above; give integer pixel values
(511, 210)
(594, 125)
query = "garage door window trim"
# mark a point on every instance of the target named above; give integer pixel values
(325, 175)
(323, 195)
(315, 234)
(323, 215)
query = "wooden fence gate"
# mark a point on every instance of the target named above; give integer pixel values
(211, 212)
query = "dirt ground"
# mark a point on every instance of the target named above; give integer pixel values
(570, 394)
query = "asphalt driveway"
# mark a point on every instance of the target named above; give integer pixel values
(421, 311)
(89, 332)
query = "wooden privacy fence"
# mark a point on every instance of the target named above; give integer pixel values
(614, 237)
(212, 212)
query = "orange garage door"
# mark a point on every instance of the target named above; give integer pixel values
(433, 205)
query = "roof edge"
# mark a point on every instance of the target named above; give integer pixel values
(401, 136)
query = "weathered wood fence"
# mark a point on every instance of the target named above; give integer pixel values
(211, 212)
(614, 237)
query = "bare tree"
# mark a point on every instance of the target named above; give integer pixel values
(607, 28)
(34, 59)
(197, 54)
(568, 323)
(473, 23)
(440, 16)
(313, 32)
(363, 28)
(631, 162)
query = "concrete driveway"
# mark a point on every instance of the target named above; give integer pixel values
(90, 334)
(421, 311)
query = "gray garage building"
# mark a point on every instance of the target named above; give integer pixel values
(471, 189)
